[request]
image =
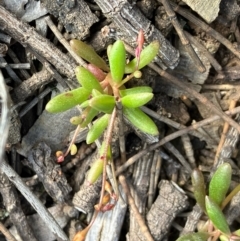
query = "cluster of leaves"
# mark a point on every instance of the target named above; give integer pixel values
(213, 203)
(102, 87)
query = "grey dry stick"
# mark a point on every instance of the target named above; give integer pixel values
(182, 36)
(196, 21)
(28, 37)
(170, 137)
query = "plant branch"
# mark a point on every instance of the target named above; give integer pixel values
(134, 209)
(107, 143)
(4, 117)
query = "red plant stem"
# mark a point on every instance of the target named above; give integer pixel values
(73, 140)
(107, 141)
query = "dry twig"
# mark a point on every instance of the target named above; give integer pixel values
(182, 36)
(196, 21)
(170, 137)
(137, 215)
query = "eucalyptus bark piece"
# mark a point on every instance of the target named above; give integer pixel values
(14, 134)
(208, 10)
(3, 49)
(229, 9)
(128, 19)
(145, 233)
(139, 192)
(170, 202)
(174, 91)
(75, 15)
(192, 220)
(12, 204)
(51, 128)
(48, 172)
(108, 225)
(30, 85)
(186, 63)
(85, 199)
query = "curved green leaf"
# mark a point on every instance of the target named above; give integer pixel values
(95, 171)
(87, 115)
(220, 183)
(67, 100)
(200, 236)
(102, 151)
(85, 104)
(87, 79)
(139, 119)
(215, 214)
(95, 93)
(199, 188)
(135, 90)
(103, 103)
(88, 53)
(147, 55)
(136, 100)
(117, 61)
(97, 128)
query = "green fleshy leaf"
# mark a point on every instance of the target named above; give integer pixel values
(220, 183)
(102, 150)
(85, 104)
(97, 129)
(103, 103)
(139, 119)
(117, 61)
(215, 214)
(95, 171)
(199, 188)
(146, 56)
(67, 100)
(97, 167)
(87, 79)
(135, 90)
(88, 53)
(200, 236)
(88, 114)
(96, 93)
(136, 100)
